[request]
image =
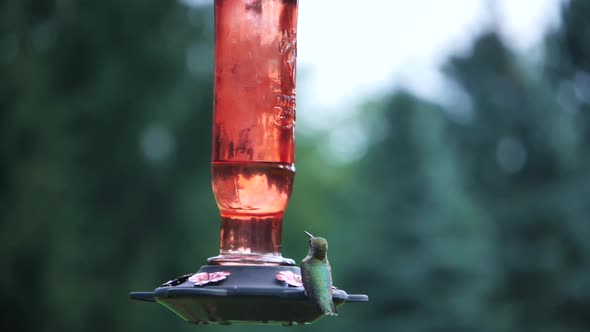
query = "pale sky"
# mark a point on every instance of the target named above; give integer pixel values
(351, 50)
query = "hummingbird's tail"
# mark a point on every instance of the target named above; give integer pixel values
(331, 312)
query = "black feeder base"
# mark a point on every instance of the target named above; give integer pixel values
(249, 294)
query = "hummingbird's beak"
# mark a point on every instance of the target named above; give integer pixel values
(308, 234)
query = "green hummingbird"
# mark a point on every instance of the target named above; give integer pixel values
(316, 275)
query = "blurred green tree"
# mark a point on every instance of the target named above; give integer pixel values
(105, 133)
(482, 217)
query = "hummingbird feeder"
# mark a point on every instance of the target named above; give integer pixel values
(252, 176)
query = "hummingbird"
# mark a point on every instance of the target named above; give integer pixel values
(317, 275)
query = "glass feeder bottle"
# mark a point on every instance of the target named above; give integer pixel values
(253, 162)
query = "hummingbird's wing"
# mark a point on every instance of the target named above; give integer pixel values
(306, 277)
(317, 281)
(326, 302)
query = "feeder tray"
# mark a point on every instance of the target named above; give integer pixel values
(248, 294)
